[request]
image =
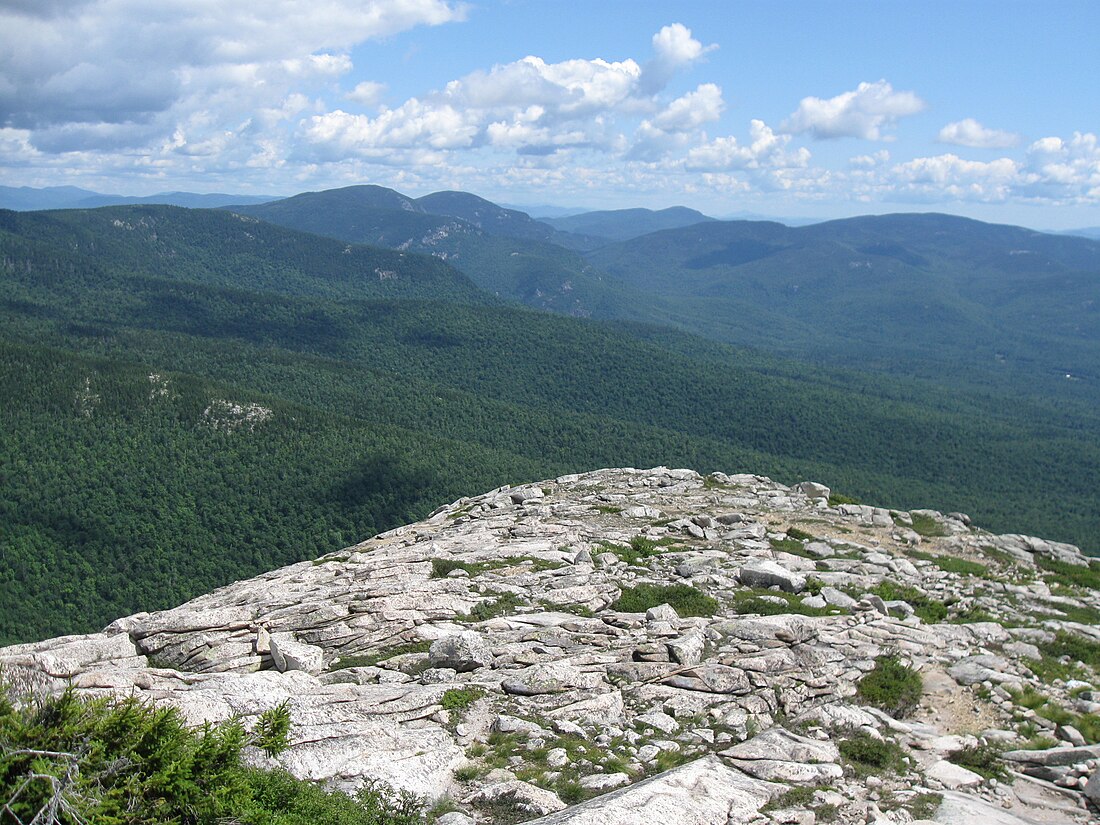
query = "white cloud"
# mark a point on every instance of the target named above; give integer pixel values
(766, 150)
(412, 124)
(128, 61)
(862, 113)
(536, 108)
(1058, 169)
(970, 133)
(869, 161)
(951, 169)
(692, 110)
(675, 46)
(674, 49)
(367, 93)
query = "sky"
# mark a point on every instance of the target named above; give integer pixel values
(807, 109)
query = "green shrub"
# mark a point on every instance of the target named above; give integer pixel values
(685, 599)
(927, 526)
(371, 659)
(1070, 575)
(137, 764)
(836, 499)
(441, 567)
(868, 755)
(788, 545)
(984, 760)
(272, 731)
(799, 535)
(464, 773)
(1077, 648)
(891, 686)
(950, 564)
(640, 549)
(924, 805)
(460, 698)
(930, 611)
(753, 601)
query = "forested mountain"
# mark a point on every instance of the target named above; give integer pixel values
(110, 246)
(509, 256)
(959, 301)
(192, 397)
(624, 224)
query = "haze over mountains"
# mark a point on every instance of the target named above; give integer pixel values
(200, 395)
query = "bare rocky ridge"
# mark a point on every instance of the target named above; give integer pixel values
(485, 654)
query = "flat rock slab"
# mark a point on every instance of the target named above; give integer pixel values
(704, 792)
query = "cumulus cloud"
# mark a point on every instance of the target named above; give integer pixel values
(863, 113)
(766, 149)
(674, 48)
(537, 108)
(367, 93)
(692, 110)
(1064, 169)
(126, 61)
(970, 132)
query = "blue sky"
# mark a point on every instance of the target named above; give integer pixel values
(815, 109)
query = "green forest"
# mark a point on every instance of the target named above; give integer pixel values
(190, 399)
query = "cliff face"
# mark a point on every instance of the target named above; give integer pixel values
(626, 646)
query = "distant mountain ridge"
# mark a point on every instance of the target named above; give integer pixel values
(624, 224)
(26, 198)
(503, 251)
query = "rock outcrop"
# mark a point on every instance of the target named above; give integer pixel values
(625, 646)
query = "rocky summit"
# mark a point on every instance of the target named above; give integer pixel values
(631, 646)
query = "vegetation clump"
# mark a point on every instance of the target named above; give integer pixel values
(984, 760)
(684, 599)
(867, 754)
(126, 762)
(640, 549)
(927, 526)
(931, 611)
(460, 698)
(891, 686)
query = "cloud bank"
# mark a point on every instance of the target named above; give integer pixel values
(266, 96)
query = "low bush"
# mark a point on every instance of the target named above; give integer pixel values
(891, 686)
(107, 761)
(927, 526)
(1070, 575)
(984, 760)
(930, 611)
(684, 599)
(869, 755)
(460, 698)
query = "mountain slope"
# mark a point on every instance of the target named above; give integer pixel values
(639, 642)
(509, 256)
(934, 295)
(220, 249)
(370, 385)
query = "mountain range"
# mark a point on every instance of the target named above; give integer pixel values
(195, 396)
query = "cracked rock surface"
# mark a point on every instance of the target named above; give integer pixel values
(650, 645)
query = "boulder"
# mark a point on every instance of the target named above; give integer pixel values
(768, 573)
(290, 654)
(953, 776)
(463, 652)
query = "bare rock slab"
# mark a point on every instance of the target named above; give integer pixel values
(703, 792)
